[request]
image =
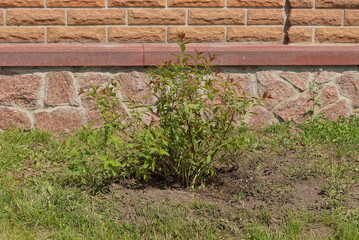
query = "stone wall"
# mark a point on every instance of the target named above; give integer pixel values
(158, 21)
(47, 98)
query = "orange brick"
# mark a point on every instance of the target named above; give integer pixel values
(76, 34)
(22, 3)
(75, 3)
(196, 3)
(255, 34)
(137, 3)
(352, 17)
(136, 34)
(22, 34)
(337, 35)
(255, 3)
(300, 34)
(35, 17)
(216, 16)
(337, 3)
(315, 17)
(265, 16)
(197, 34)
(96, 16)
(157, 16)
(301, 3)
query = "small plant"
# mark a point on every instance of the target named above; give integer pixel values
(314, 89)
(194, 113)
(88, 163)
(240, 196)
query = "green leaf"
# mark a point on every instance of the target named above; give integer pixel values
(194, 106)
(146, 165)
(215, 110)
(209, 159)
(102, 157)
(164, 152)
(153, 150)
(185, 60)
(92, 138)
(183, 47)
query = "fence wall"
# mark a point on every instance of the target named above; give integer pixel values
(49, 49)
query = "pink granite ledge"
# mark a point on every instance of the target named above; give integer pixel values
(71, 55)
(156, 54)
(262, 55)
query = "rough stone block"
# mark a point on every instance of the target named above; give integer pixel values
(349, 87)
(295, 109)
(60, 90)
(261, 118)
(279, 90)
(10, 117)
(336, 110)
(299, 80)
(329, 94)
(19, 90)
(60, 120)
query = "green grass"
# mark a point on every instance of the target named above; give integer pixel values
(41, 199)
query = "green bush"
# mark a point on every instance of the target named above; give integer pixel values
(195, 110)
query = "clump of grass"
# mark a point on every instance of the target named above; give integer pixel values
(343, 133)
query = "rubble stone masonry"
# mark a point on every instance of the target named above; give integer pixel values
(49, 98)
(46, 56)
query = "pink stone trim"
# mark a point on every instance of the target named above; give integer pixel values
(156, 54)
(71, 55)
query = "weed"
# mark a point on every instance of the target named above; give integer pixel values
(264, 217)
(344, 133)
(314, 89)
(240, 196)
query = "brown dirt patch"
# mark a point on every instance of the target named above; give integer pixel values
(259, 182)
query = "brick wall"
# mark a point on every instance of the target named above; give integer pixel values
(158, 21)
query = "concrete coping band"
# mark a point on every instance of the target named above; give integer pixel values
(16, 55)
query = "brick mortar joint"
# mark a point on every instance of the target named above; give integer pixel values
(287, 10)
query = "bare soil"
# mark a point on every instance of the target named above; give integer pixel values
(274, 182)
